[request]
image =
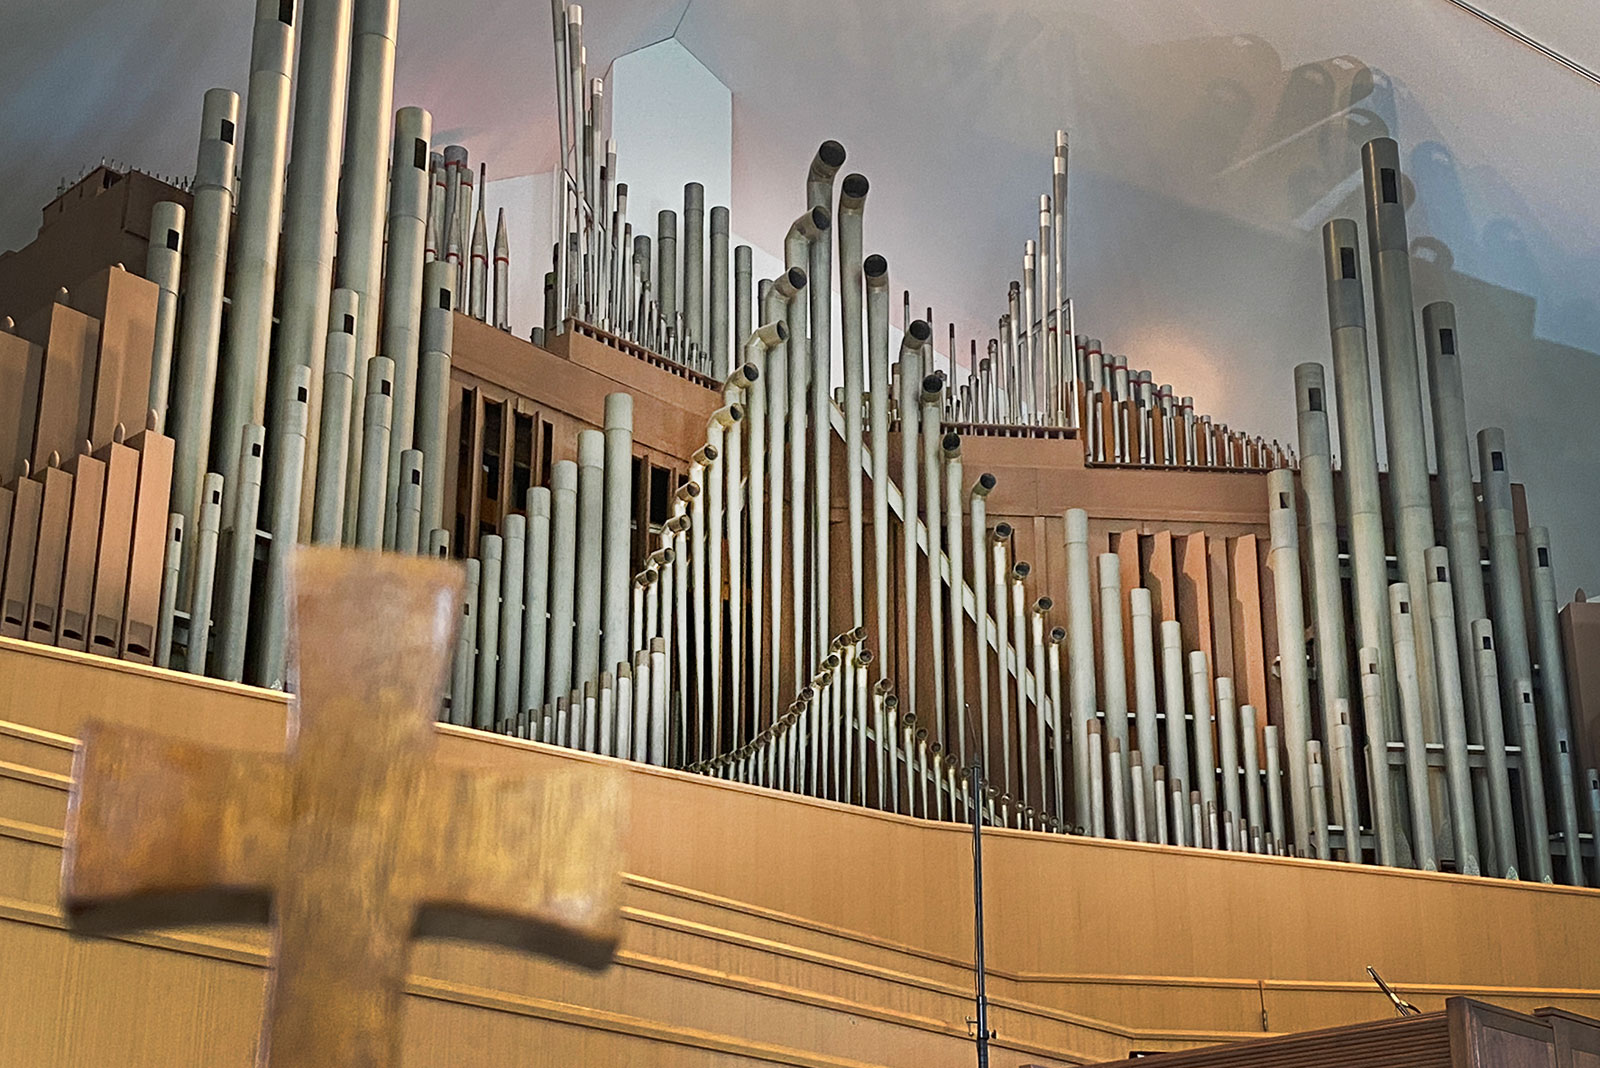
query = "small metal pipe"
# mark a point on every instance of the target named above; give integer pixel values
(163, 266)
(535, 601)
(1081, 586)
(379, 408)
(1423, 846)
(285, 501)
(1452, 708)
(408, 515)
(461, 677)
(1553, 689)
(233, 621)
(169, 590)
(1283, 559)
(205, 572)
(327, 520)
(563, 578)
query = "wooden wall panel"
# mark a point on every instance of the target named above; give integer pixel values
(762, 929)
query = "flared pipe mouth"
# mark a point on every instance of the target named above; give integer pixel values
(745, 374)
(853, 192)
(918, 332)
(1002, 531)
(812, 223)
(932, 389)
(891, 701)
(876, 270)
(952, 446)
(790, 282)
(908, 720)
(826, 163)
(1058, 635)
(1021, 570)
(1043, 605)
(769, 335)
(984, 486)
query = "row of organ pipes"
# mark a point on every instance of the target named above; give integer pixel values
(727, 650)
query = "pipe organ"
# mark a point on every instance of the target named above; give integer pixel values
(744, 566)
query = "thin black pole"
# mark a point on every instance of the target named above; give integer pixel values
(976, 773)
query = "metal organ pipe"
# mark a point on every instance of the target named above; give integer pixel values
(307, 250)
(1113, 667)
(912, 346)
(163, 264)
(875, 271)
(378, 411)
(1144, 690)
(852, 199)
(1553, 686)
(694, 267)
(1511, 631)
(195, 372)
(1453, 453)
(1080, 655)
(953, 491)
(1284, 561)
(364, 190)
(344, 314)
(563, 578)
(535, 601)
(407, 337)
(285, 496)
(1406, 672)
(1359, 468)
(1441, 613)
(242, 385)
(978, 502)
(616, 529)
(234, 622)
(1402, 399)
(931, 437)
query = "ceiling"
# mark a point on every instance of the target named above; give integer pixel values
(1210, 141)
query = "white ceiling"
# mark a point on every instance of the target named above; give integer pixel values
(1210, 141)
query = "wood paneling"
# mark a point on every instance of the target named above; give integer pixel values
(763, 929)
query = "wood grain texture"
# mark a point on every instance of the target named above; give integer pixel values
(832, 936)
(353, 837)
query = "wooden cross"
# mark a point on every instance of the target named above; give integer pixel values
(353, 840)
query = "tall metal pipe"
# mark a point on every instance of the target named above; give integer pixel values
(478, 273)
(199, 333)
(238, 569)
(999, 540)
(763, 348)
(1114, 670)
(431, 405)
(731, 536)
(744, 307)
(1399, 375)
(852, 199)
(1553, 688)
(242, 378)
(563, 578)
(461, 677)
(1041, 709)
(1144, 691)
(590, 557)
(1453, 452)
(344, 315)
(1501, 817)
(367, 181)
(163, 264)
(1255, 819)
(1080, 655)
(1228, 757)
(169, 590)
(1533, 786)
(1284, 560)
(694, 265)
(717, 318)
(502, 283)
(513, 579)
(667, 265)
(616, 529)
(1327, 588)
(485, 710)
(307, 251)
(1058, 635)
(1385, 821)
(1369, 566)
(403, 279)
(205, 571)
(1407, 671)
(1205, 747)
(875, 272)
(376, 423)
(285, 500)
(979, 508)
(1175, 702)
(1274, 747)
(1511, 633)
(912, 345)
(953, 490)
(931, 439)
(819, 195)
(781, 301)
(1441, 612)
(1019, 641)
(535, 601)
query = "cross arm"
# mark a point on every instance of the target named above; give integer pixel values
(162, 831)
(531, 863)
